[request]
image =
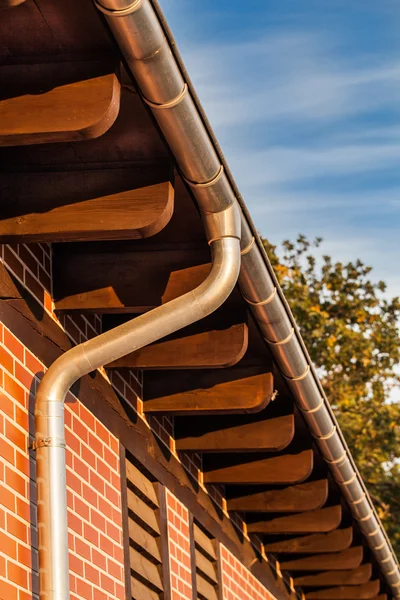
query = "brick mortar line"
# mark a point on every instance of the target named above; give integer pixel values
(25, 267)
(20, 406)
(4, 345)
(21, 520)
(40, 263)
(91, 544)
(18, 540)
(177, 543)
(91, 564)
(245, 582)
(181, 564)
(84, 520)
(116, 373)
(174, 527)
(94, 586)
(26, 478)
(181, 595)
(15, 562)
(13, 444)
(90, 507)
(178, 516)
(188, 570)
(179, 578)
(86, 445)
(26, 350)
(96, 473)
(75, 493)
(16, 585)
(14, 422)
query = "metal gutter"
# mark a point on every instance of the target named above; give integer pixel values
(151, 55)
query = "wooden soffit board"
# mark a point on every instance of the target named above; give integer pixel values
(277, 469)
(234, 390)
(301, 497)
(333, 561)
(269, 430)
(334, 541)
(111, 278)
(314, 521)
(57, 102)
(217, 341)
(354, 592)
(85, 205)
(349, 576)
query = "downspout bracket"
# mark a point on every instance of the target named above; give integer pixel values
(46, 443)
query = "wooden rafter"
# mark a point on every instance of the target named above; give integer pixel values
(53, 102)
(334, 541)
(267, 435)
(354, 592)
(302, 497)
(85, 205)
(234, 390)
(285, 468)
(218, 341)
(120, 277)
(321, 520)
(355, 576)
(334, 561)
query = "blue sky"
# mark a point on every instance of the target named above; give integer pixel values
(305, 100)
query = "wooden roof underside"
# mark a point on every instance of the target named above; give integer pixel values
(85, 168)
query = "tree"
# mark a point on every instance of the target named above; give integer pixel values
(351, 331)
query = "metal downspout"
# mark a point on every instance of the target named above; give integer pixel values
(161, 79)
(82, 359)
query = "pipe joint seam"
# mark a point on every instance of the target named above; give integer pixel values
(379, 547)
(299, 377)
(118, 12)
(225, 223)
(326, 436)
(280, 342)
(386, 559)
(262, 302)
(309, 411)
(361, 499)
(248, 247)
(171, 104)
(349, 481)
(366, 518)
(336, 461)
(205, 184)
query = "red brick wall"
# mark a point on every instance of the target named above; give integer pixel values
(93, 476)
(179, 549)
(93, 489)
(31, 266)
(237, 581)
(94, 503)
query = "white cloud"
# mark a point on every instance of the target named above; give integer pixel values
(295, 76)
(284, 165)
